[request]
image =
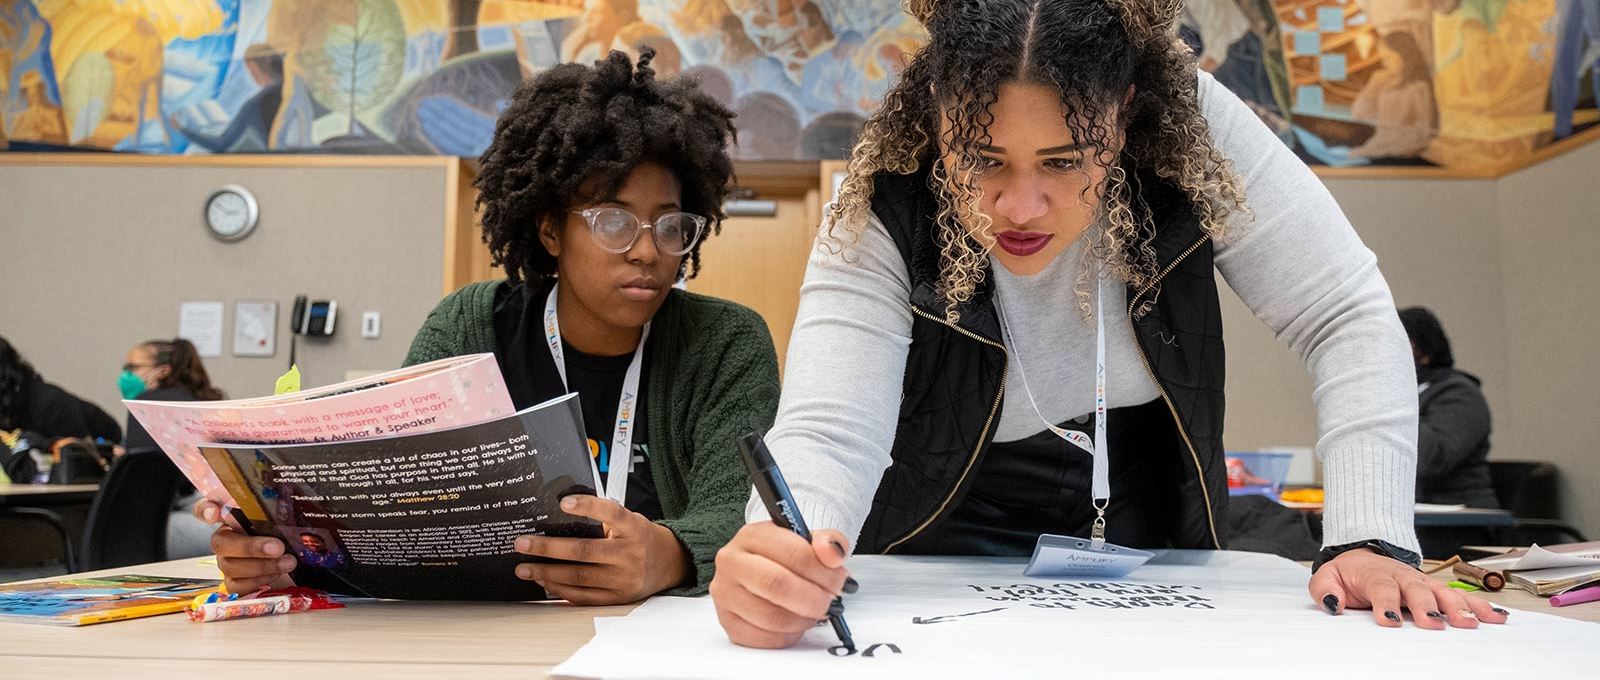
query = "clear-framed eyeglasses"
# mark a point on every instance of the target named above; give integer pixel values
(616, 230)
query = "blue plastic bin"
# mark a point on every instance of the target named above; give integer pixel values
(1270, 466)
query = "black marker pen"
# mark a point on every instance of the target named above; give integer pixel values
(785, 513)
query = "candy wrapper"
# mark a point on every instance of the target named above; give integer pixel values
(262, 603)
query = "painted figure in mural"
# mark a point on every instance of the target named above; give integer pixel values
(737, 48)
(1578, 36)
(598, 28)
(1398, 99)
(41, 121)
(1236, 41)
(634, 38)
(1219, 25)
(253, 123)
(789, 31)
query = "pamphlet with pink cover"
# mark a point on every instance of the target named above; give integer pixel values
(438, 395)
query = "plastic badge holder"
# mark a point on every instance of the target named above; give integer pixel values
(1070, 557)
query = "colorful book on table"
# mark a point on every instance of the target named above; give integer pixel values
(84, 601)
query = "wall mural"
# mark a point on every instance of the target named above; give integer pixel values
(1344, 82)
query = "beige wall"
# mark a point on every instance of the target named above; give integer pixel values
(1509, 267)
(1550, 234)
(98, 257)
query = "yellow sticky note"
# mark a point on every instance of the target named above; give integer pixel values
(288, 382)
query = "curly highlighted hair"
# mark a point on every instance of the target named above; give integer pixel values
(573, 134)
(1092, 52)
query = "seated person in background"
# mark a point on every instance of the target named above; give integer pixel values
(1453, 441)
(595, 193)
(30, 404)
(163, 370)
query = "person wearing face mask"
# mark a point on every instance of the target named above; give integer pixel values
(1011, 327)
(29, 404)
(597, 191)
(163, 370)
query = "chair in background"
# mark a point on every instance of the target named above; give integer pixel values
(51, 521)
(1528, 490)
(128, 519)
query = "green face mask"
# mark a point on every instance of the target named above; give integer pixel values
(131, 385)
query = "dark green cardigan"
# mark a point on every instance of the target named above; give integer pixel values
(713, 377)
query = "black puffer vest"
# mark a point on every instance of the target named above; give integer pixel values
(955, 377)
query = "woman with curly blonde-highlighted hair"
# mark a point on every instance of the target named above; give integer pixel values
(1010, 326)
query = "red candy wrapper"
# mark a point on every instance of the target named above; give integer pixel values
(265, 603)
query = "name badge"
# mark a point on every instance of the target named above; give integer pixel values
(1070, 557)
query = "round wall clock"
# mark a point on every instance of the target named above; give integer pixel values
(231, 213)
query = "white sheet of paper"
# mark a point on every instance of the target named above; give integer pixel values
(1539, 558)
(255, 328)
(201, 324)
(1186, 614)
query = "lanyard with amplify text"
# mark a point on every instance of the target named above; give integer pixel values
(622, 438)
(1101, 484)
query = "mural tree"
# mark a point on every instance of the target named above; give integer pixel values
(354, 66)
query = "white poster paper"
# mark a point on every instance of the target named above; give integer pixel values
(255, 324)
(201, 324)
(1186, 614)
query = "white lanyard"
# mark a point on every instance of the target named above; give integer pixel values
(622, 439)
(1101, 478)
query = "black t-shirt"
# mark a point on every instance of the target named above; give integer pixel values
(1043, 485)
(531, 378)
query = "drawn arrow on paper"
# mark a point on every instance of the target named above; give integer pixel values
(950, 617)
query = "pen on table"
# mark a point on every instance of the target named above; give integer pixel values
(1579, 596)
(774, 492)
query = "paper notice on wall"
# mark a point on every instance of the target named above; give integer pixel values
(255, 328)
(201, 324)
(1185, 614)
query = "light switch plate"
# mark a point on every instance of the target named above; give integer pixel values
(371, 324)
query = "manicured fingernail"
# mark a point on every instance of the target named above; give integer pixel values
(850, 585)
(1500, 611)
(524, 572)
(569, 503)
(1468, 613)
(524, 544)
(837, 546)
(836, 608)
(1392, 616)
(1435, 615)
(286, 563)
(1330, 603)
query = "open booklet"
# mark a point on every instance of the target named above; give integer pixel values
(406, 485)
(430, 516)
(433, 396)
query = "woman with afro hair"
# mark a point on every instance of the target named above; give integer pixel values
(1011, 325)
(596, 193)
